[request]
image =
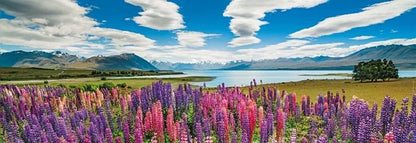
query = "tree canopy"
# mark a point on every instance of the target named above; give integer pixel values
(374, 70)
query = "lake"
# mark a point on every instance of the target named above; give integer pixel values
(243, 77)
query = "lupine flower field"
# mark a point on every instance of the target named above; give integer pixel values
(185, 114)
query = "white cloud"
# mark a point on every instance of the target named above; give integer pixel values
(302, 48)
(158, 14)
(404, 42)
(192, 38)
(123, 38)
(247, 14)
(362, 37)
(241, 41)
(59, 25)
(374, 14)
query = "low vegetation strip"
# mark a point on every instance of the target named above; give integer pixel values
(9, 74)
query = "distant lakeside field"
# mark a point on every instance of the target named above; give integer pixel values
(13, 73)
(373, 92)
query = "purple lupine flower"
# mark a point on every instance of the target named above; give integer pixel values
(126, 132)
(245, 125)
(108, 135)
(244, 137)
(330, 128)
(26, 133)
(43, 137)
(322, 139)
(102, 118)
(313, 130)
(270, 123)
(385, 114)
(357, 112)
(207, 127)
(35, 133)
(334, 139)
(51, 133)
(71, 137)
(138, 138)
(221, 131)
(109, 114)
(264, 136)
(364, 130)
(93, 133)
(404, 106)
(62, 132)
(199, 134)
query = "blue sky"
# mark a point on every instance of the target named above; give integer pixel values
(201, 30)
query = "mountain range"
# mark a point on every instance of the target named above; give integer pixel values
(403, 56)
(60, 60)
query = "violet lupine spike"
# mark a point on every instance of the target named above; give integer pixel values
(207, 127)
(322, 139)
(264, 136)
(62, 128)
(244, 137)
(138, 138)
(330, 128)
(93, 133)
(199, 133)
(270, 123)
(126, 132)
(364, 130)
(108, 135)
(51, 133)
(221, 131)
(43, 137)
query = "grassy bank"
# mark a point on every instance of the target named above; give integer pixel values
(11, 74)
(373, 92)
(96, 82)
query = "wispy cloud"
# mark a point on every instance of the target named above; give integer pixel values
(247, 16)
(362, 37)
(303, 48)
(158, 14)
(192, 38)
(374, 14)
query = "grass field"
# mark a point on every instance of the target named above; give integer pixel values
(373, 92)
(95, 82)
(11, 74)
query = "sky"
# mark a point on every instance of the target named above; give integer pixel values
(206, 30)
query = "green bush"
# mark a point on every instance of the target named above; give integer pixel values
(374, 70)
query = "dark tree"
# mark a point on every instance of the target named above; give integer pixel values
(374, 70)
